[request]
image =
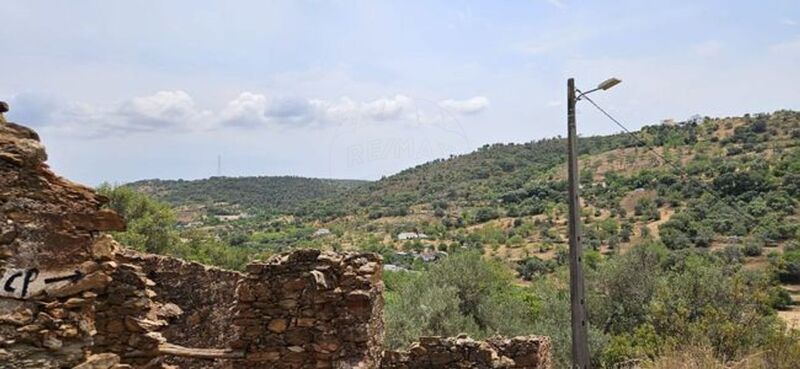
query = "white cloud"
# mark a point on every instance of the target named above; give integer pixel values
(163, 110)
(246, 110)
(469, 106)
(789, 22)
(177, 111)
(387, 108)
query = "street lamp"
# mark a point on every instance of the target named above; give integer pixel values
(605, 85)
(580, 345)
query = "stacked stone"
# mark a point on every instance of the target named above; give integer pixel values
(532, 352)
(52, 261)
(525, 351)
(311, 309)
(196, 301)
(126, 317)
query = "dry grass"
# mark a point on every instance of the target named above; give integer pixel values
(701, 358)
(783, 353)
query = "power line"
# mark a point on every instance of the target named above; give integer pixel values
(673, 165)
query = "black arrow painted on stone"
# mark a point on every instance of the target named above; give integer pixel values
(77, 276)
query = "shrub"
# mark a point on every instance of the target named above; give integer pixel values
(534, 266)
(753, 247)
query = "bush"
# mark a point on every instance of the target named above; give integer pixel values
(150, 223)
(534, 266)
(484, 215)
(753, 247)
(789, 268)
(460, 294)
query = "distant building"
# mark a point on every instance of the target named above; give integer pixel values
(411, 236)
(394, 268)
(322, 232)
(229, 218)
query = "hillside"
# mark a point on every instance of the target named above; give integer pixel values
(694, 232)
(731, 181)
(229, 195)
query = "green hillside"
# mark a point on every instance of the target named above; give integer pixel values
(271, 194)
(691, 233)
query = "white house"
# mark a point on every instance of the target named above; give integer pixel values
(411, 236)
(322, 232)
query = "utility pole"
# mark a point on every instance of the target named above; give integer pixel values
(580, 345)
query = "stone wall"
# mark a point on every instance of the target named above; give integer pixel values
(311, 309)
(52, 263)
(530, 352)
(196, 301)
(127, 318)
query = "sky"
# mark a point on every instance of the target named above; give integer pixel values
(127, 90)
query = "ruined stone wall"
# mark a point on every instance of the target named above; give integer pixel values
(311, 309)
(52, 265)
(196, 301)
(127, 317)
(530, 352)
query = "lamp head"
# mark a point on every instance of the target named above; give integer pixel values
(611, 82)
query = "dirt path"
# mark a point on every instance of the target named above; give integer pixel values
(792, 316)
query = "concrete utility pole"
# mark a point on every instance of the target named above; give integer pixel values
(577, 294)
(580, 345)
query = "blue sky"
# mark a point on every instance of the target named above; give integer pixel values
(121, 91)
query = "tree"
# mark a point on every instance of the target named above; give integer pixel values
(462, 293)
(150, 223)
(485, 214)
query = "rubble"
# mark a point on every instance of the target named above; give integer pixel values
(531, 352)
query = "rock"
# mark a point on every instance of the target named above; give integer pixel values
(296, 349)
(94, 281)
(319, 279)
(104, 248)
(18, 318)
(74, 302)
(306, 322)
(264, 356)
(103, 220)
(99, 361)
(50, 341)
(278, 325)
(169, 310)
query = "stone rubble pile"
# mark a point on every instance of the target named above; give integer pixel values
(462, 352)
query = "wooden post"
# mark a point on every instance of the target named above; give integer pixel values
(580, 346)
